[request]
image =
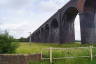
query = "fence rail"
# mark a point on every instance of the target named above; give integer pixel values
(51, 58)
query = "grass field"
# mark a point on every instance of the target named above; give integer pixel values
(35, 48)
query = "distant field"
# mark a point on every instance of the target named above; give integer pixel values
(35, 48)
(27, 48)
(32, 48)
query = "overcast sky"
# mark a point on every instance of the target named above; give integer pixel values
(20, 17)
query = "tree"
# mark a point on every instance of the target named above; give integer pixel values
(22, 39)
(6, 44)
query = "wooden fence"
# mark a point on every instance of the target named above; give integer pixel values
(51, 58)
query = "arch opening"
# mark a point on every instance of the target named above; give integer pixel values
(54, 24)
(41, 30)
(47, 27)
(71, 13)
(42, 34)
(54, 31)
(71, 25)
(46, 32)
(77, 28)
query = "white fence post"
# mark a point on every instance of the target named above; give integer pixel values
(41, 55)
(91, 52)
(90, 48)
(51, 55)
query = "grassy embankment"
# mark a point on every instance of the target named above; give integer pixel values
(35, 48)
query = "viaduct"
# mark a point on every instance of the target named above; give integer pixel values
(60, 27)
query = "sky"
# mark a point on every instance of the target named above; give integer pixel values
(19, 17)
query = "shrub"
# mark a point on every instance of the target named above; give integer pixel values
(6, 45)
(22, 39)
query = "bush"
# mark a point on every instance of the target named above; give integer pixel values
(6, 45)
(22, 39)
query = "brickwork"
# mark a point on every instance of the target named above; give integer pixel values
(18, 59)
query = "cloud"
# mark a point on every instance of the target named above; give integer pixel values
(49, 5)
(20, 17)
(13, 3)
(17, 29)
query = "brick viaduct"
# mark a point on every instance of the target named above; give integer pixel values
(60, 27)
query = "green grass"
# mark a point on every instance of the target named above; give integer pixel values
(67, 61)
(35, 48)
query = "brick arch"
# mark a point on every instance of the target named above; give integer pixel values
(47, 29)
(70, 14)
(54, 24)
(54, 30)
(42, 34)
(68, 31)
